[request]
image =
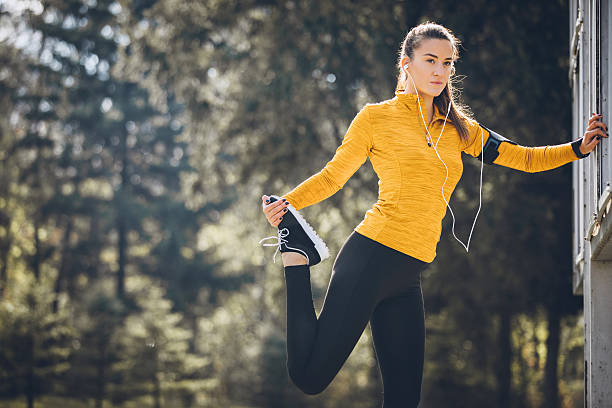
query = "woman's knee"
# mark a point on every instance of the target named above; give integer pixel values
(308, 383)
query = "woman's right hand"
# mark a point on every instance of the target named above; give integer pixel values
(274, 211)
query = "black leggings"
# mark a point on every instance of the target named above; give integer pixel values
(369, 282)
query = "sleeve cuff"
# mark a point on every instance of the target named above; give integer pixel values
(576, 147)
(292, 200)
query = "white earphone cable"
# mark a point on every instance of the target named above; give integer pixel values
(436, 150)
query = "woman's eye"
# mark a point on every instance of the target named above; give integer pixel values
(430, 60)
(447, 63)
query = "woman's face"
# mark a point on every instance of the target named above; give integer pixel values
(430, 67)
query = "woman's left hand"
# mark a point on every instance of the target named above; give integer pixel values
(594, 132)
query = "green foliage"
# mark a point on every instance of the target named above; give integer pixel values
(98, 320)
(35, 343)
(154, 348)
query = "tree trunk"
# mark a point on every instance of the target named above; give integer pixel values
(192, 319)
(121, 230)
(61, 273)
(6, 247)
(503, 371)
(156, 384)
(121, 221)
(37, 252)
(29, 386)
(97, 244)
(523, 370)
(5, 242)
(101, 378)
(551, 383)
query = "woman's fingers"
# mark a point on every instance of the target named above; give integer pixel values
(269, 207)
(597, 124)
(595, 116)
(592, 134)
(271, 210)
(595, 130)
(592, 139)
(274, 211)
(275, 207)
(277, 218)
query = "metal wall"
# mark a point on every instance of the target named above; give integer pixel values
(590, 50)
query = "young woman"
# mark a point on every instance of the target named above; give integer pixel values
(414, 142)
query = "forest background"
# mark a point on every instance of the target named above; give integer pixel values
(137, 137)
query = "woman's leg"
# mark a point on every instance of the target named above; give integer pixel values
(317, 348)
(398, 330)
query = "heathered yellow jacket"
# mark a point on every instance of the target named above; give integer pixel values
(408, 214)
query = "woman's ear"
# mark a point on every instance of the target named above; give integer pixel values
(405, 63)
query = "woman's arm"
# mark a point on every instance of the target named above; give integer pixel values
(507, 153)
(349, 156)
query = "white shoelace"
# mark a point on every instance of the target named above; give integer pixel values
(282, 233)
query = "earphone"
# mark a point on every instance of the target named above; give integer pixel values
(436, 150)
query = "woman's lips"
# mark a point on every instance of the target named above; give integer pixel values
(436, 83)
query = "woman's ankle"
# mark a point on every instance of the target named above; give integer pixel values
(293, 258)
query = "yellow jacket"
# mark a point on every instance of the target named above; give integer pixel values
(408, 214)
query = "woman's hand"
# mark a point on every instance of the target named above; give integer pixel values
(593, 134)
(274, 211)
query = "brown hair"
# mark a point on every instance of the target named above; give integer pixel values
(459, 113)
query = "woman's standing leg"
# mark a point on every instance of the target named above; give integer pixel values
(398, 330)
(317, 348)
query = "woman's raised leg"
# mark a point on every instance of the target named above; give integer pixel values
(317, 348)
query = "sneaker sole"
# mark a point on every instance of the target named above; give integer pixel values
(318, 242)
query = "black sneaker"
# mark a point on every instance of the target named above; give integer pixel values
(296, 235)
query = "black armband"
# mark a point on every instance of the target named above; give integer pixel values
(576, 147)
(490, 148)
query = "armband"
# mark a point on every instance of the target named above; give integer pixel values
(576, 148)
(490, 148)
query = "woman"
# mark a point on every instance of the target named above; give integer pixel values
(414, 142)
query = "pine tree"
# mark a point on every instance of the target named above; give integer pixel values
(35, 342)
(98, 320)
(156, 364)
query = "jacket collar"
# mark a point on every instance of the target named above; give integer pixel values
(410, 101)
